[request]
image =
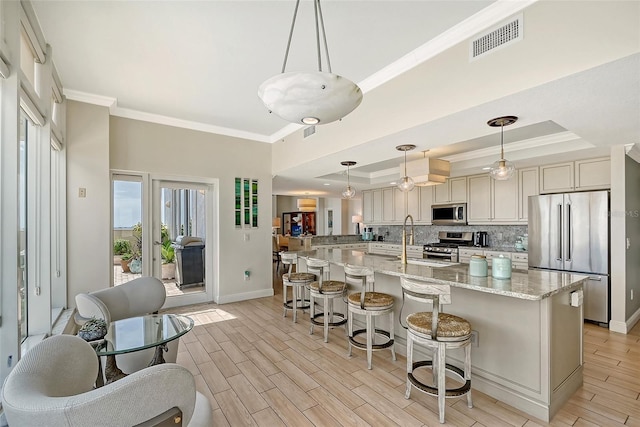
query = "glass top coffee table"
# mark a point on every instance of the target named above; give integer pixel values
(139, 333)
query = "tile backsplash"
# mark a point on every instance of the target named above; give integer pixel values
(499, 235)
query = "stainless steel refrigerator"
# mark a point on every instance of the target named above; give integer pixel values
(570, 232)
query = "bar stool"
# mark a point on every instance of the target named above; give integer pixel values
(451, 332)
(328, 290)
(297, 282)
(371, 304)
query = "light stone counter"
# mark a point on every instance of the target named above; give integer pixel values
(524, 284)
(529, 352)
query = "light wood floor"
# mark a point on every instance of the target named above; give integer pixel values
(258, 368)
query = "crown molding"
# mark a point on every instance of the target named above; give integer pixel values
(127, 113)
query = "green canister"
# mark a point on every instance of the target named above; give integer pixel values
(501, 267)
(478, 266)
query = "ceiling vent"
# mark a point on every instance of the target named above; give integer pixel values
(497, 37)
(308, 131)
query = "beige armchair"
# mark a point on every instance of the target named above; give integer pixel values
(52, 385)
(138, 297)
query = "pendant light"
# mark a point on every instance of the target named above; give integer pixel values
(348, 192)
(502, 169)
(406, 182)
(310, 98)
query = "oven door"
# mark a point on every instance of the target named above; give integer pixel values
(441, 256)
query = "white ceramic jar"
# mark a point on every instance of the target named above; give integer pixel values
(501, 267)
(478, 266)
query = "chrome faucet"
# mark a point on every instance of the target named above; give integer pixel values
(403, 258)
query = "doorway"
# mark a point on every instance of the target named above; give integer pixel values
(183, 247)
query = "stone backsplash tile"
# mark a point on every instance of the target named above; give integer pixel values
(499, 235)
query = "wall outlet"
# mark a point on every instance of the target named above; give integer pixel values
(82, 192)
(475, 339)
(246, 237)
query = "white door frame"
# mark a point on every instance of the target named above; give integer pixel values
(154, 259)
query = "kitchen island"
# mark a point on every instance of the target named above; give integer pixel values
(529, 337)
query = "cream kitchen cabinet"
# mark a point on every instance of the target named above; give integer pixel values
(479, 199)
(387, 205)
(528, 185)
(491, 201)
(495, 254)
(590, 174)
(465, 254)
(385, 248)
(413, 204)
(367, 206)
(520, 260)
(453, 190)
(426, 199)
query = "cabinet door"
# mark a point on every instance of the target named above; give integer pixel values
(556, 178)
(441, 192)
(377, 206)
(367, 207)
(458, 189)
(398, 203)
(412, 204)
(479, 207)
(505, 200)
(426, 199)
(593, 174)
(527, 186)
(387, 204)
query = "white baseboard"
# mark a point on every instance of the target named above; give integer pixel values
(625, 327)
(226, 299)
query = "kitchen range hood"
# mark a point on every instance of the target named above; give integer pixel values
(428, 171)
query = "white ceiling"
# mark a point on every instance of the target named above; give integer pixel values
(198, 64)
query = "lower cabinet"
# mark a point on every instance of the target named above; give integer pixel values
(519, 260)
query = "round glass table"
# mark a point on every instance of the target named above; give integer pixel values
(139, 333)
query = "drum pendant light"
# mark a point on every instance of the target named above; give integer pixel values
(502, 169)
(310, 98)
(348, 192)
(406, 183)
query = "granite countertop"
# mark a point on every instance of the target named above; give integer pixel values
(524, 284)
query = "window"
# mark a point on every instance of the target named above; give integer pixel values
(26, 128)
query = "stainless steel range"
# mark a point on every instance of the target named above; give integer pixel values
(446, 249)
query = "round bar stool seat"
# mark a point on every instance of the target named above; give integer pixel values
(451, 332)
(371, 304)
(328, 291)
(297, 281)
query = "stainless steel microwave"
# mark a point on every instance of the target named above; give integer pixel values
(452, 214)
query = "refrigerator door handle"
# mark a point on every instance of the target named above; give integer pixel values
(559, 257)
(569, 239)
(595, 278)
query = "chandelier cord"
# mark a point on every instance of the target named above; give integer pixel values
(319, 20)
(293, 24)
(324, 39)
(502, 141)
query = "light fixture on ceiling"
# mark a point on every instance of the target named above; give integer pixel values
(306, 205)
(428, 171)
(406, 182)
(348, 192)
(310, 97)
(502, 169)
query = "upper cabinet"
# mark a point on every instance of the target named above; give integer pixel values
(491, 201)
(591, 174)
(412, 204)
(453, 190)
(528, 185)
(387, 205)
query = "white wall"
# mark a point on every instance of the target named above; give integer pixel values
(632, 226)
(88, 219)
(159, 149)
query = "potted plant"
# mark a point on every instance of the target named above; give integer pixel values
(124, 262)
(135, 265)
(120, 247)
(168, 261)
(93, 329)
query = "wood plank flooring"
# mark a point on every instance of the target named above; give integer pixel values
(260, 369)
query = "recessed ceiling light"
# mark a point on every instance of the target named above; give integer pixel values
(392, 183)
(486, 168)
(326, 183)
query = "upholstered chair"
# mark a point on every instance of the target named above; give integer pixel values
(53, 385)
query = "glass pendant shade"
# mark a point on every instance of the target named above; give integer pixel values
(502, 170)
(349, 192)
(406, 184)
(310, 98)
